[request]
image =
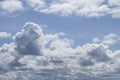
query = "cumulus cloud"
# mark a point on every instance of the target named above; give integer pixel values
(5, 35)
(108, 39)
(94, 8)
(99, 54)
(10, 6)
(67, 7)
(92, 54)
(111, 39)
(31, 49)
(27, 40)
(87, 8)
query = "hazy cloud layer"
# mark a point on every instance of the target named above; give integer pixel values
(34, 50)
(87, 8)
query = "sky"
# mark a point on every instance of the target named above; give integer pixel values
(37, 34)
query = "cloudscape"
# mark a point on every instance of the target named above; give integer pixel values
(59, 39)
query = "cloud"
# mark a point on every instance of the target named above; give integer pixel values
(99, 54)
(93, 54)
(32, 50)
(5, 59)
(115, 8)
(114, 2)
(94, 8)
(27, 40)
(86, 8)
(96, 40)
(5, 35)
(36, 4)
(10, 6)
(86, 62)
(109, 39)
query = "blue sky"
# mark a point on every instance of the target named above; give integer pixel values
(81, 36)
(81, 29)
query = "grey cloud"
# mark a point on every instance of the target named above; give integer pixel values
(99, 53)
(86, 62)
(26, 41)
(93, 54)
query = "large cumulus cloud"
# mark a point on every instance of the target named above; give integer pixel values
(27, 41)
(34, 50)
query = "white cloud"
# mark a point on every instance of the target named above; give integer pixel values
(115, 12)
(99, 54)
(10, 6)
(5, 59)
(31, 49)
(96, 40)
(87, 8)
(109, 39)
(5, 34)
(37, 5)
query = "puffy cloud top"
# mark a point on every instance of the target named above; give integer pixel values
(26, 41)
